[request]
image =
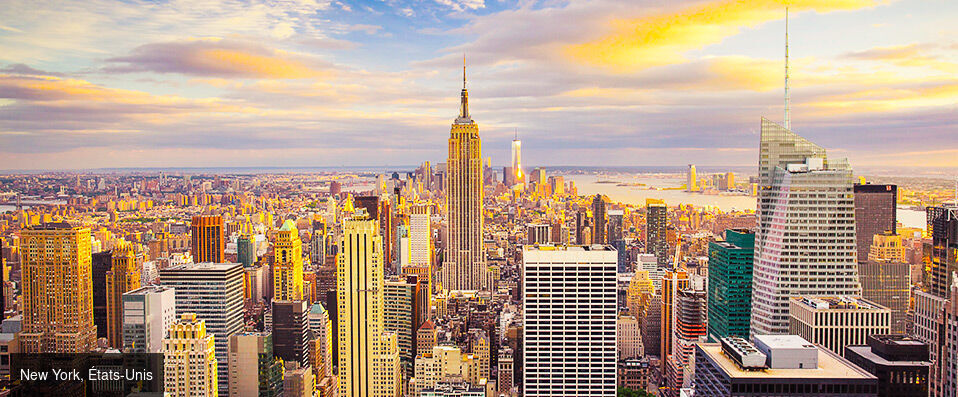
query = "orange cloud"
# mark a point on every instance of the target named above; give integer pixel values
(942, 94)
(663, 39)
(911, 55)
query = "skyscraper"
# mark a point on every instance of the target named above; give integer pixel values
(517, 177)
(214, 292)
(125, 276)
(730, 285)
(102, 263)
(598, 212)
(288, 263)
(656, 242)
(291, 331)
(569, 296)
(805, 243)
(690, 319)
(57, 290)
(148, 314)
(464, 265)
(420, 236)
(246, 250)
(207, 239)
(885, 278)
(943, 228)
(672, 283)
(875, 213)
(368, 356)
(398, 317)
(252, 353)
(189, 359)
(691, 183)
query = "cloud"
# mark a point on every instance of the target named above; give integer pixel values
(462, 5)
(664, 38)
(219, 58)
(19, 68)
(910, 55)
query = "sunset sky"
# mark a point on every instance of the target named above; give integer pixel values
(199, 83)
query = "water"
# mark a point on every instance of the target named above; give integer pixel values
(636, 195)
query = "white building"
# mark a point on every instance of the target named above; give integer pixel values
(837, 322)
(570, 320)
(420, 236)
(805, 243)
(148, 313)
(628, 337)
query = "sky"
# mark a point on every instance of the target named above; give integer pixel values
(207, 83)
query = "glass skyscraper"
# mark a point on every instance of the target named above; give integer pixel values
(730, 285)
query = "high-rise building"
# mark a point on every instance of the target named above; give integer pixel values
(298, 381)
(930, 328)
(615, 237)
(885, 278)
(837, 322)
(102, 263)
(288, 264)
(440, 362)
(368, 356)
(517, 178)
(189, 359)
(875, 213)
(252, 353)
(214, 293)
(291, 331)
(691, 179)
(805, 242)
(943, 229)
(57, 290)
(245, 250)
(689, 327)
(569, 296)
(538, 233)
(123, 277)
(420, 236)
(777, 365)
(505, 381)
(207, 239)
(148, 313)
(899, 362)
(465, 263)
(321, 329)
(730, 284)
(399, 296)
(672, 283)
(628, 338)
(599, 213)
(656, 220)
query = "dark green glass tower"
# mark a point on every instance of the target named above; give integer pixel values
(730, 284)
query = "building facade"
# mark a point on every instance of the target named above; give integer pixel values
(148, 313)
(730, 284)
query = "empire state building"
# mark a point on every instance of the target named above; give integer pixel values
(464, 266)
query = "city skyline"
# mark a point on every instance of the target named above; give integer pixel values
(284, 84)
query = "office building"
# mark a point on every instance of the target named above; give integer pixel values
(656, 220)
(538, 233)
(124, 276)
(148, 313)
(288, 264)
(454, 388)
(465, 263)
(245, 250)
(252, 353)
(569, 296)
(321, 329)
(899, 362)
(420, 236)
(943, 229)
(691, 179)
(291, 331)
(875, 213)
(214, 293)
(672, 283)
(885, 278)
(599, 214)
(56, 290)
(368, 356)
(102, 262)
(506, 380)
(628, 338)
(802, 193)
(930, 328)
(189, 359)
(298, 381)
(836, 322)
(730, 284)
(689, 325)
(776, 365)
(207, 239)
(399, 303)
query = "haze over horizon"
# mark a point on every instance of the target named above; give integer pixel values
(103, 84)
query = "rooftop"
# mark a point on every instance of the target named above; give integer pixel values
(837, 303)
(830, 366)
(550, 247)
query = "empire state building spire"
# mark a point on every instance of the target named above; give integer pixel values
(464, 106)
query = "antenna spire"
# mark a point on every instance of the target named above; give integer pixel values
(787, 124)
(464, 96)
(463, 70)
(517, 134)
